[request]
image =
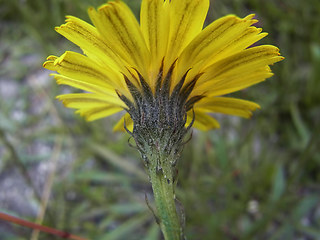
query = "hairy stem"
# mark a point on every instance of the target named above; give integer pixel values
(161, 176)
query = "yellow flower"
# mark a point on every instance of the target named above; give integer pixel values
(166, 61)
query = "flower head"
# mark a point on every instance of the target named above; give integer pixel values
(166, 71)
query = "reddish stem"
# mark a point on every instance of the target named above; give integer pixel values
(28, 224)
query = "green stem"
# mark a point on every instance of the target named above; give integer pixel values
(161, 176)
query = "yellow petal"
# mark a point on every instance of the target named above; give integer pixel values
(232, 106)
(89, 100)
(90, 41)
(92, 114)
(122, 33)
(78, 66)
(239, 70)
(63, 80)
(186, 21)
(233, 83)
(202, 121)
(245, 61)
(220, 39)
(154, 20)
(49, 64)
(124, 120)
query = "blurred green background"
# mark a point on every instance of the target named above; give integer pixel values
(251, 179)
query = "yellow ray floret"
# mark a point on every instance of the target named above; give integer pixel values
(88, 100)
(222, 38)
(203, 121)
(88, 38)
(186, 21)
(231, 106)
(78, 66)
(85, 86)
(91, 106)
(121, 32)
(92, 114)
(125, 121)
